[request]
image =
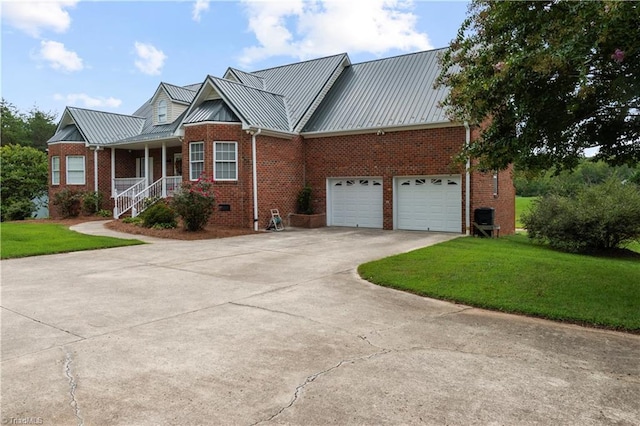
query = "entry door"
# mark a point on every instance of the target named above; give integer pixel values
(140, 170)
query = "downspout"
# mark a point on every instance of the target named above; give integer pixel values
(467, 184)
(255, 179)
(95, 169)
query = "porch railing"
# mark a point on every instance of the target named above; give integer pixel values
(138, 198)
(122, 184)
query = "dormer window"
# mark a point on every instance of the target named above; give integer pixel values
(162, 111)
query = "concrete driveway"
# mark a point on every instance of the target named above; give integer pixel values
(277, 328)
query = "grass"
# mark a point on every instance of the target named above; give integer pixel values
(522, 205)
(512, 274)
(22, 239)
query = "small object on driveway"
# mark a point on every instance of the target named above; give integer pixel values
(275, 224)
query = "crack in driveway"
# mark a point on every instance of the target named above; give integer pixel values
(68, 360)
(313, 377)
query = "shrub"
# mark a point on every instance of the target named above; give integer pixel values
(68, 202)
(304, 201)
(159, 216)
(104, 213)
(598, 217)
(91, 202)
(194, 203)
(134, 220)
(19, 209)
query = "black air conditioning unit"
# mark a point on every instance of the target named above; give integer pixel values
(484, 217)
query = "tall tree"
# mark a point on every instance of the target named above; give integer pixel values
(23, 177)
(14, 126)
(546, 80)
(41, 127)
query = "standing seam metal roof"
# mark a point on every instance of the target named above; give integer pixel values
(388, 92)
(257, 107)
(101, 128)
(179, 94)
(68, 133)
(300, 83)
(212, 110)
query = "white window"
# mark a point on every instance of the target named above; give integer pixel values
(75, 170)
(225, 161)
(196, 160)
(55, 170)
(162, 111)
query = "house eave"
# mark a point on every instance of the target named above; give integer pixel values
(377, 129)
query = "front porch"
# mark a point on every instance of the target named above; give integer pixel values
(135, 184)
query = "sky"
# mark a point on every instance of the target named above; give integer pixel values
(112, 55)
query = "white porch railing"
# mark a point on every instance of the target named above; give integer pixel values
(138, 198)
(122, 184)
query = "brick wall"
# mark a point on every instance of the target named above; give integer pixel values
(482, 195)
(280, 167)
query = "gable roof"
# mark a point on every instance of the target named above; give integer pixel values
(68, 133)
(212, 110)
(98, 127)
(179, 94)
(386, 93)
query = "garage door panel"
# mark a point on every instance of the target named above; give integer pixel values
(429, 203)
(356, 202)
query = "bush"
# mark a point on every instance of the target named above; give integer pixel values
(68, 202)
(18, 209)
(194, 203)
(104, 213)
(304, 201)
(159, 216)
(91, 202)
(134, 220)
(596, 218)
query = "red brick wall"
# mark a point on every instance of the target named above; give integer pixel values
(408, 153)
(280, 166)
(482, 195)
(416, 152)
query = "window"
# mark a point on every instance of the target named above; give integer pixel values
(196, 160)
(75, 170)
(55, 170)
(495, 184)
(225, 161)
(162, 111)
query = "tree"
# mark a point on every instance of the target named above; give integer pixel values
(41, 127)
(545, 80)
(23, 176)
(14, 127)
(33, 129)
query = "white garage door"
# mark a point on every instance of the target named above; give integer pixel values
(355, 202)
(429, 203)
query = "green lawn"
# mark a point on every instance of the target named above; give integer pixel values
(22, 239)
(522, 205)
(512, 274)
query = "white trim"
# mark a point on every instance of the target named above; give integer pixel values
(212, 122)
(53, 182)
(235, 161)
(84, 170)
(192, 162)
(383, 129)
(70, 142)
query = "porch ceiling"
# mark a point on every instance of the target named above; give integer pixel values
(156, 143)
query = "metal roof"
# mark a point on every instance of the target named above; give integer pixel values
(301, 83)
(214, 110)
(101, 128)
(68, 133)
(179, 94)
(390, 92)
(247, 79)
(257, 108)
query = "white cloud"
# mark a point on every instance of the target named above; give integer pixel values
(59, 57)
(88, 101)
(34, 17)
(306, 29)
(150, 60)
(199, 7)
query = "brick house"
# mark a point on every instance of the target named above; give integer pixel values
(369, 138)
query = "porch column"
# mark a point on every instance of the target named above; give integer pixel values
(164, 170)
(146, 164)
(95, 169)
(113, 172)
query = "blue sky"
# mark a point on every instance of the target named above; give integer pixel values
(111, 55)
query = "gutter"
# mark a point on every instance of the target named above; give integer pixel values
(255, 178)
(467, 184)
